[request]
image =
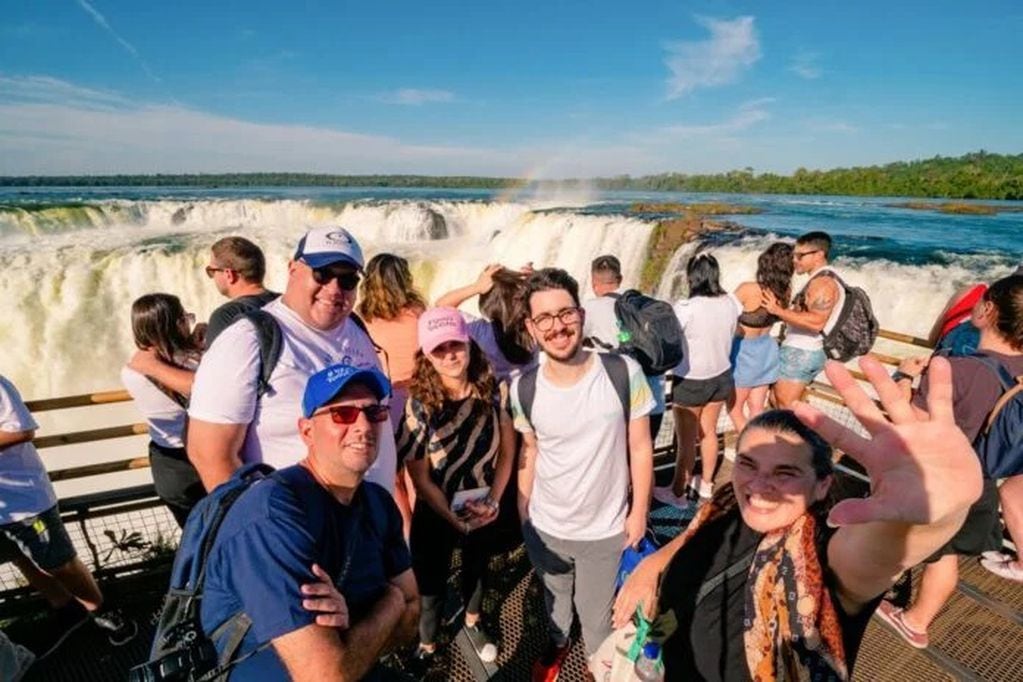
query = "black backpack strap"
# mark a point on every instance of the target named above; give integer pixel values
(527, 392)
(618, 372)
(271, 342)
(738, 566)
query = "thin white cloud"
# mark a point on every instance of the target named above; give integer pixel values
(733, 47)
(842, 127)
(46, 89)
(105, 25)
(748, 114)
(415, 96)
(805, 66)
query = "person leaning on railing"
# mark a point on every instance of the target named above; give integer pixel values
(773, 581)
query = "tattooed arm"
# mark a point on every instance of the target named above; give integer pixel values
(821, 296)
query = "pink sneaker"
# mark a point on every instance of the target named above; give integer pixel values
(1006, 568)
(892, 616)
(667, 496)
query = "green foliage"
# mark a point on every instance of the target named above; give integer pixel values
(979, 175)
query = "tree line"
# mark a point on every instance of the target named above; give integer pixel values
(978, 175)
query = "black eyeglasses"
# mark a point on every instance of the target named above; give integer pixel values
(348, 414)
(567, 316)
(346, 279)
(210, 270)
(797, 254)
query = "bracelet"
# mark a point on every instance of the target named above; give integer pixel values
(898, 375)
(491, 503)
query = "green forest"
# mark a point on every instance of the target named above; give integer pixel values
(979, 175)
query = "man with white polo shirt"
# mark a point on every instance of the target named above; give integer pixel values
(231, 419)
(586, 447)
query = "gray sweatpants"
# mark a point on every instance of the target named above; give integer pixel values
(588, 566)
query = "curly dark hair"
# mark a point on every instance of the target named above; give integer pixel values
(426, 386)
(505, 306)
(1007, 296)
(774, 271)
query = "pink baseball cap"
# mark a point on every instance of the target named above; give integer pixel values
(440, 325)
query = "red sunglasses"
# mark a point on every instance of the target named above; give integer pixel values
(347, 414)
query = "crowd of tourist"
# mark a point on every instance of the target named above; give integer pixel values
(397, 432)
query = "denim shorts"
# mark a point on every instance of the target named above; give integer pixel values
(42, 538)
(800, 365)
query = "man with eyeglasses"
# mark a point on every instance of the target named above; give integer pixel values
(237, 267)
(231, 421)
(319, 512)
(812, 309)
(586, 443)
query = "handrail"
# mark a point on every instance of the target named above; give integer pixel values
(128, 430)
(83, 400)
(77, 437)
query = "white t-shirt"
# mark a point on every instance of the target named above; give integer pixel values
(482, 332)
(805, 339)
(602, 323)
(708, 326)
(167, 419)
(25, 489)
(581, 480)
(225, 387)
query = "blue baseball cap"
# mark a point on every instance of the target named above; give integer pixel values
(328, 245)
(326, 384)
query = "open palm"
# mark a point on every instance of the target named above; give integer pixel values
(922, 468)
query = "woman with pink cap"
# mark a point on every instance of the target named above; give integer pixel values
(458, 443)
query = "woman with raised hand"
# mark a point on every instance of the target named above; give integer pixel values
(165, 338)
(501, 332)
(702, 381)
(458, 443)
(390, 305)
(754, 351)
(772, 579)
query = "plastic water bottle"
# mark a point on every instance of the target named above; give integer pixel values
(648, 666)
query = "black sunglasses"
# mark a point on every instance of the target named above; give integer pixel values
(347, 414)
(346, 279)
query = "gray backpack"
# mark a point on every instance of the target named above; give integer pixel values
(855, 327)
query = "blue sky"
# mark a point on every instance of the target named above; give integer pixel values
(538, 89)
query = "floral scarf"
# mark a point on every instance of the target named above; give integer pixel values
(791, 625)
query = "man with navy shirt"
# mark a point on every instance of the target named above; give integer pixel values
(319, 511)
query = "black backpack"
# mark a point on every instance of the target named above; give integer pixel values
(182, 651)
(855, 327)
(615, 367)
(271, 340)
(650, 332)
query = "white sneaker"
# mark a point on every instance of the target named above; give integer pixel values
(995, 555)
(667, 496)
(1008, 569)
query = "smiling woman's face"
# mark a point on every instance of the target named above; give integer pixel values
(774, 479)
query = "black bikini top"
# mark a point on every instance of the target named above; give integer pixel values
(757, 319)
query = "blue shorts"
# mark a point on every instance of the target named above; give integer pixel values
(755, 361)
(800, 365)
(42, 538)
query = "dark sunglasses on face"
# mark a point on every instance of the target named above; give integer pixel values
(210, 270)
(348, 414)
(799, 255)
(346, 279)
(567, 316)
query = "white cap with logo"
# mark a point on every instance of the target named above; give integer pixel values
(325, 246)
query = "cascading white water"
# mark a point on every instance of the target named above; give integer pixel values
(68, 275)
